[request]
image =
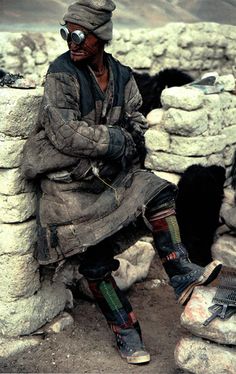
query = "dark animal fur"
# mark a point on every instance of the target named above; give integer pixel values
(198, 205)
(233, 172)
(151, 87)
(2, 73)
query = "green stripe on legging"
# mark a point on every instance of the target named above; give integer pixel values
(174, 229)
(110, 295)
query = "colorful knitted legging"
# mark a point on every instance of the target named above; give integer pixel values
(113, 303)
(167, 239)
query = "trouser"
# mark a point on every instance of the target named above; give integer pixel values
(166, 235)
(98, 262)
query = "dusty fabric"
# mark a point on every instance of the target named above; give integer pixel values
(104, 188)
(94, 15)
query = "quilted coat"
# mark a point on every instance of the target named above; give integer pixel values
(85, 157)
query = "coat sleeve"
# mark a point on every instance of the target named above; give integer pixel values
(134, 122)
(61, 119)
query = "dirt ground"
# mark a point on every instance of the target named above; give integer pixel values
(88, 345)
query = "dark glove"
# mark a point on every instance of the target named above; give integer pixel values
(121, 146)
(137, 134)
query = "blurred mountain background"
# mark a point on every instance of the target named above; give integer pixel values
(42, 15)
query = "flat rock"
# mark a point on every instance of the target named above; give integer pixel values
(199, 356)
(196, 312)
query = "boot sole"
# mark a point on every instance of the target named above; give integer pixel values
(142, 359)
(210, 273)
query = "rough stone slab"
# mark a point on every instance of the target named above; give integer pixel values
(19, 110)
(212, 102)
(18, 238)
(182, 122)
(216, 159)
(157, 140)
(226, 100)
(196, 312)
(215, 114)
(202, 357)
(19, 277)
(17, 208)
(59, 323)
(171, 177)
(26, 315)
(197, 146)
(171, 163)
(134, 264)
(229, 154)
(230, 133)
(215, 122)
(182, 98)
(224, 250)
(230, 117)
(11, 150)
(228, 81)
(10, 347)
(155, 117)
(229, 214)
(13, 183)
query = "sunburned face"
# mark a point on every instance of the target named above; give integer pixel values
(88, 49)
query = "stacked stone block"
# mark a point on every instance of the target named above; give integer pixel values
(192, 128)
(224, 247)
(207, 349)
(26, 302)
(217, 341)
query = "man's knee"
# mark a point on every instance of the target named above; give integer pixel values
(164, 200)
(97, 262)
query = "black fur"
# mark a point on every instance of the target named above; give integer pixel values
(2, 73)
(233, 172)
(151, 87)
(199, 198)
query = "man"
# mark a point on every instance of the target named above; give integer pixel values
(87, 150)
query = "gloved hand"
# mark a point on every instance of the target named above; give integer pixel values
(121, 147)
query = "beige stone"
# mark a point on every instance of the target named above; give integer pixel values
(59, 323)
(10, 347)
(13, 183)
(11, 150)
(182, 98)
(182, 122)
(230, 133)
(171, 163)
(19, 110)
(17, 238)
(155, 117)
(26, 315)
(19, 277)
(224, 250)
(196, 313)
(202, 357)
(157, 140)
(17, 208)
(134, 264)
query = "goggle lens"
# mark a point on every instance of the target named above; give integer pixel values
(76, 36)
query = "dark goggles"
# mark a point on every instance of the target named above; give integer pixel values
(76, 36)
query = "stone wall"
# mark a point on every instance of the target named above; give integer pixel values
(26, 302)
(216, 342)
(195, 48)
(192, 127)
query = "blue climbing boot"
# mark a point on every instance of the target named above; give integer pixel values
(190, 275)
(130, 346)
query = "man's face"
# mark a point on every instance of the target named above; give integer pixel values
(88, 49)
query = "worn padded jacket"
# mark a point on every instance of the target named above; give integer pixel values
(85, 157)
